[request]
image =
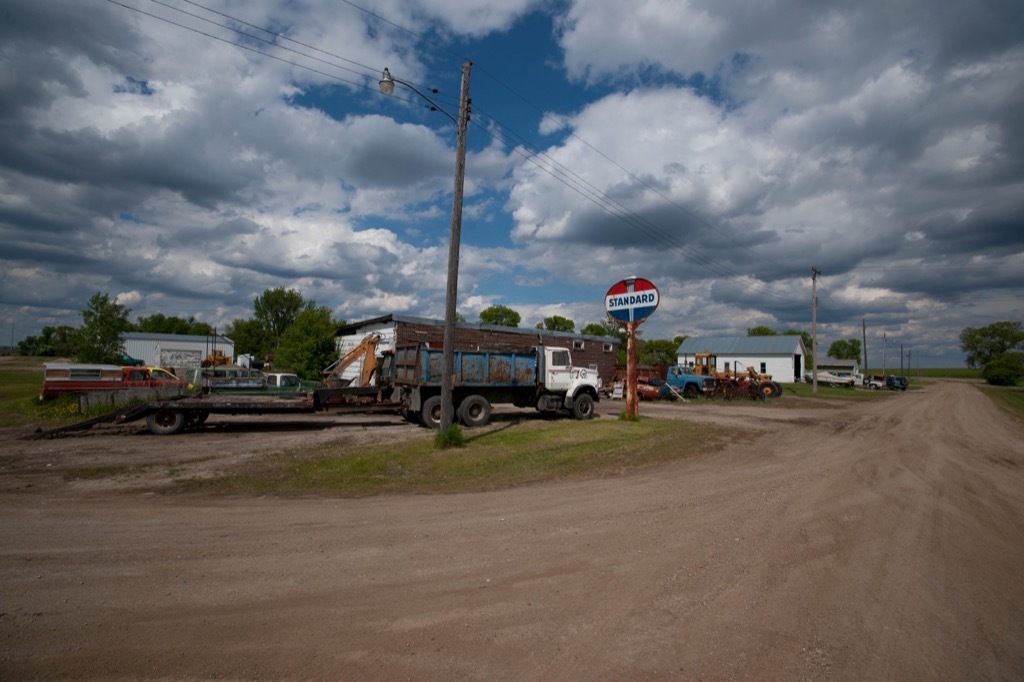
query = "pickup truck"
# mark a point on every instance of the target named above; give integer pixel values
(684, 381)
(63, 378)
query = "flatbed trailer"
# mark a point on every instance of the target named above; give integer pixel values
(174, 416)
(168, 417)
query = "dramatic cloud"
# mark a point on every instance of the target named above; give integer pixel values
(720, 149)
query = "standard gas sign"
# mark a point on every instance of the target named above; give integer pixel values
(631, 300)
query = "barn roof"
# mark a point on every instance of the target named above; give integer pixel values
(195, 338)
(743, 345)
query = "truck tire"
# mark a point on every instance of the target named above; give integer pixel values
(583, 406)
(691, 391)
(430, 413)
(166, 422)
(475, 411)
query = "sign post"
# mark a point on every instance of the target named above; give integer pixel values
(629, 303)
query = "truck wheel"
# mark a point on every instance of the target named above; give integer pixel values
(690, 391)
(475, 411)
(583, 406)
(166, 422)
(430, 413)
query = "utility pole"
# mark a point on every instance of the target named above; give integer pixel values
(814, 328)
(864, 342)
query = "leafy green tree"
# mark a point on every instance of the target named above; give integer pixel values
(762, 331)
(60, 341)
(982, 344)
(104, 322)
(848, 349)
(557, 323)
(249, 337)
(159, 323)
(500, 315)
(276, 310)
(658, 352)
(308, 344)
(1004, 369)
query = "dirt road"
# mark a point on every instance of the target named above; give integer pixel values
(880, 540)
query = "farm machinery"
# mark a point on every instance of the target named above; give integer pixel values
(730, 385)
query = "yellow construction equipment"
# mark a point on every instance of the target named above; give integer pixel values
(365, 351)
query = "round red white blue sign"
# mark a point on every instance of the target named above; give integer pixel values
(631, 300)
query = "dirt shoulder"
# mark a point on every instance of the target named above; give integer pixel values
(853, 541)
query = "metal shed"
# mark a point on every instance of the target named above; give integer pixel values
(175, 351)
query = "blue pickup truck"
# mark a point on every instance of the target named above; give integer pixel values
(684, 381)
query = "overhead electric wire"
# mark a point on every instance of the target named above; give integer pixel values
(566, 176)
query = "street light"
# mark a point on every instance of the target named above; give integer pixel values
(387, 86)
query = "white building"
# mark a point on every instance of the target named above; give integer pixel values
(780, 356)
(175, 351)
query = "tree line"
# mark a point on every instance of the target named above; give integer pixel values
(300, 335)
(297, 333)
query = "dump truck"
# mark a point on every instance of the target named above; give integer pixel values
(407, 381)
(541, 377)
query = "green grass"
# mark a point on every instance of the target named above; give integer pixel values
(21, 379)
(20, 382)
(503, 457)
(828, 392)
(1010, 398)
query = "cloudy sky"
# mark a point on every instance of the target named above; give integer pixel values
(186, 156)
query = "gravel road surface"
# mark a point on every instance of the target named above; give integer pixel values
(878, 540)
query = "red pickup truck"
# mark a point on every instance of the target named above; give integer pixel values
(62, 378)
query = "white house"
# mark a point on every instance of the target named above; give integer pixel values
(780, 356)
(175, 351)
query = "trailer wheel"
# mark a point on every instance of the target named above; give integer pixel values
(778, 389)
(430, 413)
(166, 422)
(583, 406)
(768, 389)
(475, 411)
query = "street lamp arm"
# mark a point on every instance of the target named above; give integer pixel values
(387, 86)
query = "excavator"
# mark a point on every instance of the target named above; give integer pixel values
(365, 351)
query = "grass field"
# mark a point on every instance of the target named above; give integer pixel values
(21, 379)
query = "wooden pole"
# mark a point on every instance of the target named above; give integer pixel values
(632, 399)
(451, 293)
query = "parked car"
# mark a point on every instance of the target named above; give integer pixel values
(895, 383)
(654, 388)
(830, 379)
(128, 361)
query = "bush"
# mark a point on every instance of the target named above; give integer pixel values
(452, 437)
(1004, 369)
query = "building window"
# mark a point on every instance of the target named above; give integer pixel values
(577, 345)
(764, 368)
(726, 366)
(609, 347)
